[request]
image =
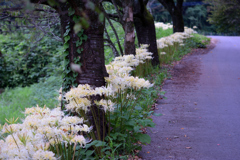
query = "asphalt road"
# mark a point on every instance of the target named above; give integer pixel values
(201, 115)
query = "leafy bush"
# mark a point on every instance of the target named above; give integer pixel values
(24, 63)
(200, 40)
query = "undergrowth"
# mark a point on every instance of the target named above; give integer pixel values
(14, 101)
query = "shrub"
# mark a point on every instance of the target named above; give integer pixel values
(24, 63)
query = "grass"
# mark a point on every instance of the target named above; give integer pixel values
(14, 101)
(176, 52)
(163, 33)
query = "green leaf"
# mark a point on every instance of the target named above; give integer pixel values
(89, 153)
(79, 43)
(68, 26)
(144, 138)
(52, 2)
(137, 129)
(104, 149)
(71, 11)
(80, 33)
(76, 18)
(107, 153)
(125, 117)
(84, 37)
(66, 32)
(139, 108)
(130, 123)
(66, 38)
(78, 51)
(101, 17)
(66, 46)
(98, 143)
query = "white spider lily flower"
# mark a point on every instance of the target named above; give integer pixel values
(41, 154)
(107, 105)
(71, 120)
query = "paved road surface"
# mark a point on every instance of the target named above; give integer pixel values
(201, 118)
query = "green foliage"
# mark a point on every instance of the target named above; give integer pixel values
(126, 124)
(196, 16)
(143, 69)
(161, 15)
(107, 50)
(163, 33)
(24, 63)
(69, 79)
(14, 101)
(225, 15)
(200, 40)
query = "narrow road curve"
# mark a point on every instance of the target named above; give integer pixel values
(201, 115)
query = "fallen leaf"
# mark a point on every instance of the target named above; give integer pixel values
(182, 128)
(148, 152)
(188, 147)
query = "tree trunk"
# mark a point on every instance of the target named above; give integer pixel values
(145, 28)
(91, 58)
(177, 18)
(176, 13)
(128, 26)
(178, 24)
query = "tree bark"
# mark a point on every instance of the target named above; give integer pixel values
(145, 28)
(177, 17)
(93, 64)
(176, 13)
(91, 58)
(128, 26)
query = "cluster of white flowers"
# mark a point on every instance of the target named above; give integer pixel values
(163, 25)
(176, 38)
(40, 129)
(78, 99)
(119, 71)
(119, 79)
